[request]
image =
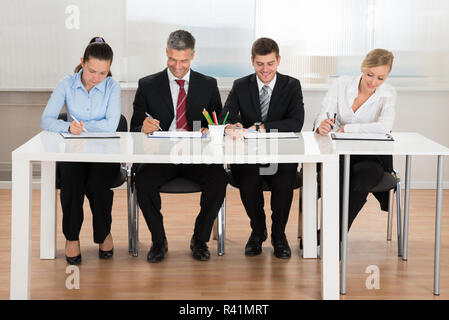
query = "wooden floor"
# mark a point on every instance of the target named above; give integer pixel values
(233, 276)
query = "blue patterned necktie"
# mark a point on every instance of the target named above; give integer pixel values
(264, 102)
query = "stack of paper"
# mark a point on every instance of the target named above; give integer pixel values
(176, 134)
(270, 135)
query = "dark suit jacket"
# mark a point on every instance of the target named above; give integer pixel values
(286, 109)
(153, 95)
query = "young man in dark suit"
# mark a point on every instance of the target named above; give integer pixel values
(265, 101)
(175, 98)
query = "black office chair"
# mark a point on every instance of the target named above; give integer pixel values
(390, 183)
(176, 185)
(122, 176)
(266, 187)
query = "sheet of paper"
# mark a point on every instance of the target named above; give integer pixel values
(270, 135)
(361, 136)
(176, 134)
(91, 135)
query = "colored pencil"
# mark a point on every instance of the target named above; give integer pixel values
(227, 114)
(206, 115)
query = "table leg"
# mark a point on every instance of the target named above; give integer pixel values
(408, 162)
(436, 274)
(309, 211)
(329, 230)
(48, 210)
(344, 222)
(20, 229)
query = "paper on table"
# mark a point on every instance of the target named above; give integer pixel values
(270, 135)
(361, 136)
(90, 135)
(176, 134)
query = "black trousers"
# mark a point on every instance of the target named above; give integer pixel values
(149, 179)
(366, 171)
(93, 180)
(249, 179)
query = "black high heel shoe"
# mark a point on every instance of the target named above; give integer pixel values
(74, 260)
(105, 254)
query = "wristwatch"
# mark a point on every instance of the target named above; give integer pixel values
(257, 124)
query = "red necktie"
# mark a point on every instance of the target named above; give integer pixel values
(181, 116)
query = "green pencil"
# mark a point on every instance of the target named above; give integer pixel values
(227, 114)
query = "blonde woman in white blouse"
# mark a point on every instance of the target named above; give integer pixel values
(364, 103)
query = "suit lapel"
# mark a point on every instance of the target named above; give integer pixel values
(276, 94)
(254, 91)
(192, 93)
(166, 93)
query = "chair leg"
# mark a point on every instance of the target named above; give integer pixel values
(300, 215)
(390, 215)
(399, 218)
(135, 222)
(221, 228)
(130, 212)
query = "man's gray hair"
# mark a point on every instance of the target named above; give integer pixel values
(181, 40)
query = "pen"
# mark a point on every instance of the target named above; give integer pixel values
(84, 129)
(148, 115)
(329, 117)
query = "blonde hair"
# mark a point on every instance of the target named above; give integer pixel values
(377, 58)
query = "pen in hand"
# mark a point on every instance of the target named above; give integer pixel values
(148, 115)
(330, 118)
(84, 129)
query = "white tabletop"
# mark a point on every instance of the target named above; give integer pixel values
(137, 147)
(405, 143)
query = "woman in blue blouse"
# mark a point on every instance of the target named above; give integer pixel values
(91, 97)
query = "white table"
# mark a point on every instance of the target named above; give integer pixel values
(49, 147)
(407, 144)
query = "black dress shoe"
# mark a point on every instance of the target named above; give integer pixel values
(105, 254)
(157, 252)
(254, 245)
(200, 250)
(73, 260)
(281, 248)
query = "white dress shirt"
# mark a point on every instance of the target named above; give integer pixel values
(174, 89)
(260, 85)
(376, 115)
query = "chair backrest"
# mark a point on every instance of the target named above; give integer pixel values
(180, 185)
(265, 186)
(122, 125)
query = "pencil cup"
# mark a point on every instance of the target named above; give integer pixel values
(216, 133)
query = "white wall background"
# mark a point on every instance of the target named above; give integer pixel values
(42, 41)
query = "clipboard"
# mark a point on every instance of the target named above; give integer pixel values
(90, 135)
(362, 136)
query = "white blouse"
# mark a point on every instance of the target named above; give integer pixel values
(376, 115)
